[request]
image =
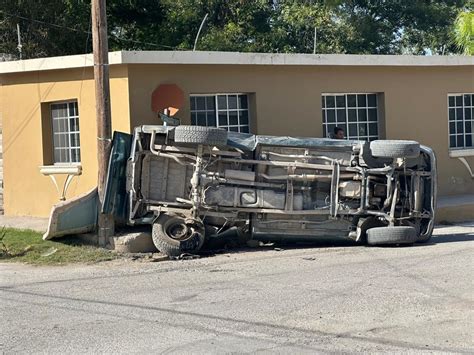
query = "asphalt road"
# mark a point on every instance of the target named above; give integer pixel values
(321, 299)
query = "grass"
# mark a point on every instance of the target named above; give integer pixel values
(27, 246)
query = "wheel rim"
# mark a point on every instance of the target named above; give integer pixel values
(178, 230)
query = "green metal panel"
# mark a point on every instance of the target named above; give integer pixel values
(115, 199)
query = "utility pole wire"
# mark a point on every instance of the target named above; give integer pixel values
(19, 41)
(199, 32)
(86, 32)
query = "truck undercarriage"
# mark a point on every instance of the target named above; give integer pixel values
(193, 183)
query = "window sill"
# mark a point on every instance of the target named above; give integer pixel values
(458, 153)
(62, 169)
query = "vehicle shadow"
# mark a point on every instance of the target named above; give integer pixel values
(230, 247)
(451, 238)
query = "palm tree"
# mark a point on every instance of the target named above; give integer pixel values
(464, 32)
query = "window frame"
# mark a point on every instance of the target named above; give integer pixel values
(217, 110)
(465, 150)
(69, 148)
(369, 136)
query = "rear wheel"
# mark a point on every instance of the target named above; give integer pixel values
(200, 135)
(395, 149)
(391, 235)
(174, 235)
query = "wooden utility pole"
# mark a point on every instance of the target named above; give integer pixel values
(102, 97)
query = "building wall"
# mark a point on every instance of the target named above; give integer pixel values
(27, 191)
(287, 100)
(284, 100)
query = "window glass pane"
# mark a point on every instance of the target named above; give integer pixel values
(467, 100)
(232, 99)
(323, 102)
(201, 103)
(458, 100)
(211, 119)
(452, 127)
(373, 129)
(361, 100)
(467, 113)
(468, 127)
(469, 140)
(234, 129)
(71, 110)
(57, 157)
(76, 155)
(330, 102)
(460, 127)
(56, 140)
(244, 129)
(372, 114)
(193, 118)
(221, 102)
(372, 100)
(331, 129)
(233, 119)
(243, 103)
(452, 114)
(192, 100)
(351, 100)
(352, 115)
(352, 130)
(451, 101)
(244, 117)
(452, 141)
(459, 114)
(210, 102)
(223, 119)
(460, 140)
(201, 119)
(363, 129)
(330, 116)
(362, 115)
(341, 115)
(340, 101)
(75, 140)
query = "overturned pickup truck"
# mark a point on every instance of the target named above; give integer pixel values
(192, 182)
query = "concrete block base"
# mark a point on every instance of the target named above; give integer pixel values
(138, 242)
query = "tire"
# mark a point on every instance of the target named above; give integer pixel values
(391, 235)
(395, 149)
(200, 135)
(173, 236)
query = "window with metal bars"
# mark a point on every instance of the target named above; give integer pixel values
(228, 111)
(356, 114)
(461, 120)
(65, 125)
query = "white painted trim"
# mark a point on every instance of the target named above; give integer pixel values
(64, 169)
(233, 58)
(457, 153)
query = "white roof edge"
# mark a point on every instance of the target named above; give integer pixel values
(233, 58)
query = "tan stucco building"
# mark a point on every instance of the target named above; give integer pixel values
(47, 108)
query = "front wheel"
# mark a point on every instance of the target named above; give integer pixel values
(174, 235)
(391, 235)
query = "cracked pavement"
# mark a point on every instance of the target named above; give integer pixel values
(317, 299)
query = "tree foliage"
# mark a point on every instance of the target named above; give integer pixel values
(464, 32)
(61, 27)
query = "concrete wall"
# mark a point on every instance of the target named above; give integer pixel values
(27, 191)
(288, 100)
